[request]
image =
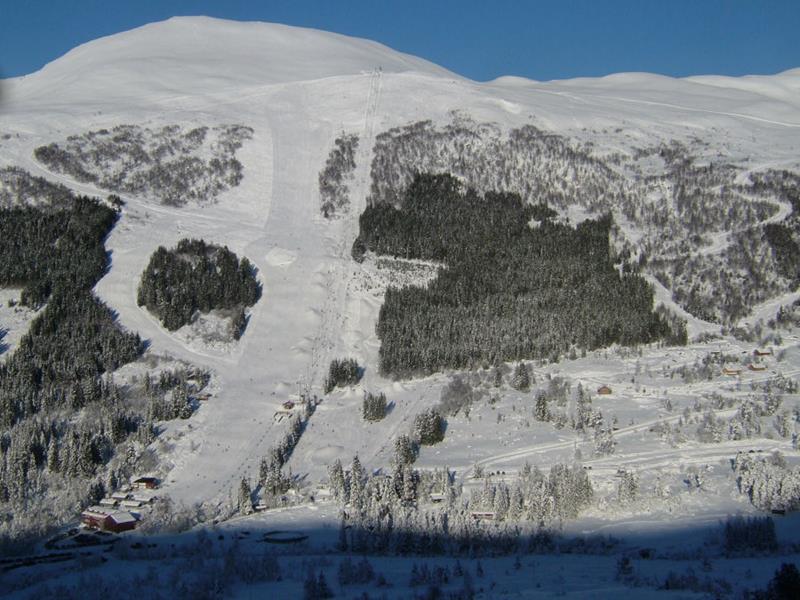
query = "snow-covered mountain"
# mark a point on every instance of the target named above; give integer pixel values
(201, 55)
(249, 113)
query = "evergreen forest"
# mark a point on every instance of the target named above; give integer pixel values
(196, 276)
(56, 256)
(510, 287)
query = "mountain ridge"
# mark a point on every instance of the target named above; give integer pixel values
(217, 53)
(205, 54)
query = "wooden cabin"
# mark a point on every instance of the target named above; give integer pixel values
(755, 367)
(727, 371)
(604, 390)
(145, 483)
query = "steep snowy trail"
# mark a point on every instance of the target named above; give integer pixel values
(273, 357)
(340, 331)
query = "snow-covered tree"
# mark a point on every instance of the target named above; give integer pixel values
(336, 479)
(627, 487)
(521, 379)
(358, 477)
(604, 442)
(245, 498)
(429, 427)
(404, 451)
(540, 411)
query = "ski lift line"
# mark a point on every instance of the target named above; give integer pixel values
(339, 274)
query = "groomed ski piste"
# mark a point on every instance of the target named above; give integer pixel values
(298, 90)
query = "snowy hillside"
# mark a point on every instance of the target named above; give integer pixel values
(201, 56)
(271, 140)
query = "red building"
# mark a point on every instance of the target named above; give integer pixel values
(97, 517)
(144, 483)
(120, 521)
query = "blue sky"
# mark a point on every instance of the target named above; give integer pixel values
(480, 39)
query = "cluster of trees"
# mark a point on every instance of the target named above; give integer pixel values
(315, 586)
(272, 482)
(429, 427)
(168, 163)
(405, 451)
(197, 276)
(211, 567)
(789, 315)
(168, 406)
(521, 379)
(19, 187)
(784, 585)
(535, 164)
(359, 573)
(47, 250)
(749, 534)
(769, 483)
(374, 406)
(536, 497)
(342, 372)
(750, 419)
(338, 171)
(386, 514)
(787, 250)
(52, 444)
(509, 291)
(705, 199)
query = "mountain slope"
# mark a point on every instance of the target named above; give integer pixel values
(202, 55)
(298, 91)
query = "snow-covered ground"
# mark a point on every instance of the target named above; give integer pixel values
(14, 320)
(298, 90)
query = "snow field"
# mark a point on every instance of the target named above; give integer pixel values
(317, 304)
